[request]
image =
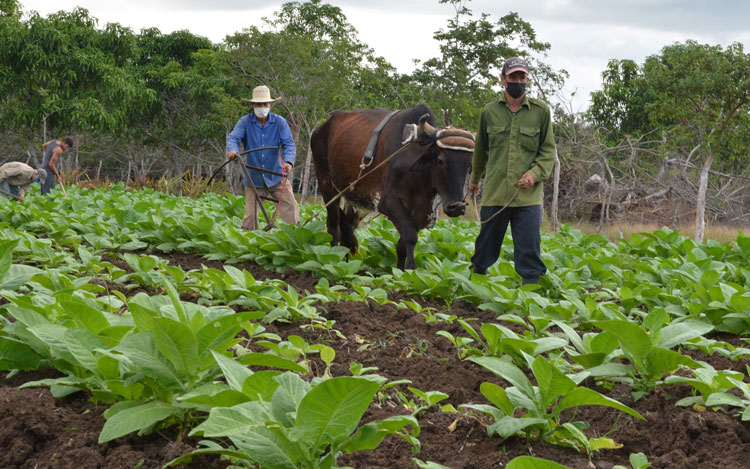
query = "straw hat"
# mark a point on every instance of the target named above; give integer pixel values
(261, 94)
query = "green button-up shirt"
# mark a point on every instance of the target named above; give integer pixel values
(508, 146)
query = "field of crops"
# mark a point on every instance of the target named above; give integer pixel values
(139, 329)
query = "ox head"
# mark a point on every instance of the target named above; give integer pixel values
(446, 154)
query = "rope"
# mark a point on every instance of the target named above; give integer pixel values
(359, 178)
(281, 196)
(499, 211)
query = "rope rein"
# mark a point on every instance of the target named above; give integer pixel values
(359, 178)
(518, 189)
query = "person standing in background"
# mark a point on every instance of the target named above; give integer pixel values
(52, 152)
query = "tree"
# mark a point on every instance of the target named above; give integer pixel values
(621, 106)
(472, 55)
(703, 102)
(62, 74)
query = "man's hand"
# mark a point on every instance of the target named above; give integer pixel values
(526, 181)
(232, 155)
(474, 188)
(58, 179)
(288, 168)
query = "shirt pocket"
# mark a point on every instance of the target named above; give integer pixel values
(497, 136)
(529, 139)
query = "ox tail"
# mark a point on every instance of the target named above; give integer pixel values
(319, 149)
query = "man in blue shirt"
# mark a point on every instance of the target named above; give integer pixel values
(262, 128)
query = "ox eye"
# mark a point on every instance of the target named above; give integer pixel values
(441, 161)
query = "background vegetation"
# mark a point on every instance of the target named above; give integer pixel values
(664, 141)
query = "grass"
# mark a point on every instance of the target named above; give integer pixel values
(624, 229)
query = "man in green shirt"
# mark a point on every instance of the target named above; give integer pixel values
(514, 152)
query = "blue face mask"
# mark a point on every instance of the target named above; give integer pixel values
(36, 179)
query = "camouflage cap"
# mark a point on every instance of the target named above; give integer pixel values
(515, 64)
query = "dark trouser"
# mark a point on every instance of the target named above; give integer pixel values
(9, 188)
(49, 183)
(525, 225)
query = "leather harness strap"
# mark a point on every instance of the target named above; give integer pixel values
(369, 155)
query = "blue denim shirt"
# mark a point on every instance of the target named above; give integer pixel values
(275, 133)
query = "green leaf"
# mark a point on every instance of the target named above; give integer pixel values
(17, 355)
(552, 383)
(135, 419)
(261, 385)
(269, 449)
(508, 426)
(530, 462)
(271, 361)
(585, 396)
(84, 315)
(497, 396)
(369, 436)
(234, 372)
(333, 408)
(231, 421)
(508, 372)
(681, 332)
(633, 339)
(178, 344)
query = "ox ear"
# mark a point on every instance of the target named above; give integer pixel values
(424, 162)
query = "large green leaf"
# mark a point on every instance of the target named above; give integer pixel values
(370, 435)
(178, 343)
(662, 361)
(678, 333)
(633, 338)
(508, 372)
(508, 426)
(271, 450)
(135, 419)
(552, 382)
(333, 408)
(17, 355)
(230, 421)
(234, 372)
(85, 315)
(272, 361)
(292, 389)
(585, 396)
(530, 462)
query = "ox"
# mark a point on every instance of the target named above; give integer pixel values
(406, 188)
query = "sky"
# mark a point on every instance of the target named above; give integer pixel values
(584, 34)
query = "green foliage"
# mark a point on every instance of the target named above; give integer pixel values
(527, 409)
(302, 425)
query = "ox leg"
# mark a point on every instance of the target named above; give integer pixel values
(394, 210)
(333, 212)
(348, 223)
(333, 221)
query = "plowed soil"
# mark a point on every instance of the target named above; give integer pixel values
(39, 431)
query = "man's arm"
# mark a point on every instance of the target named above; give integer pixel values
(234, 139)
(45, 145)
(545, 158)
(53, 161)
(287, 147)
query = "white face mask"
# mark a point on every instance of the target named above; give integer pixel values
(261, 112)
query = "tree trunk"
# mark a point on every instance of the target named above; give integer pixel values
(306, 177)
(555, 194)
(700, 205)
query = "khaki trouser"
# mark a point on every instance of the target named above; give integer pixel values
(289, 210)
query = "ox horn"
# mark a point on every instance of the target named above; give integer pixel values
(425, 126)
